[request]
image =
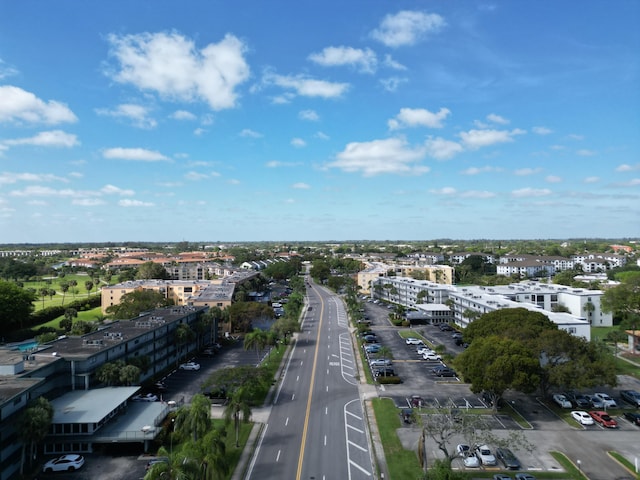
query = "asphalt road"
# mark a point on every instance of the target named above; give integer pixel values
(316, 428)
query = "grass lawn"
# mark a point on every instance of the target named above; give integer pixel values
(53, 283)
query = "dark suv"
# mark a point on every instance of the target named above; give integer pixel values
(508, 459)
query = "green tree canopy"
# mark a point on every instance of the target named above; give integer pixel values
(151, 270)
(134, 303)
(517, 323)
(624, 299)
(495, 364)
(16, 304)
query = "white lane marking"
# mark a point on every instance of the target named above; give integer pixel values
(255, 454)
(325, 440)
(297, 378)
(293, 397)
(326, 410)
(286, 422)
(278, 456)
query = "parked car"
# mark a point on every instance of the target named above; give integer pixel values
(595, 402)
(445, 372)
(633, 417)
(146, 397)
(371, 339)
(422, 350)
(577, 399)
(501, 476)
(155, 461)
(64, 463)
(484, 455)
(456, 335)
(468, 458)
(413, 341)
(606, 400)
(372, 348)
(415, 401)
(384, 372)
(160, 386)
(631, 396)
(561, 401)
(190, 366)
(445, 327)
(380, 362)
(524, 476)
(603, 419)
(432, 356)
(508, 459)
(582, 417)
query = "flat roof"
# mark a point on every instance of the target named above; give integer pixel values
(89, 406)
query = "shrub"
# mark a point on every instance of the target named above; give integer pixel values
(390, 380)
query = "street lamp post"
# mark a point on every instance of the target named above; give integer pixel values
(173, 420)
(579, 467)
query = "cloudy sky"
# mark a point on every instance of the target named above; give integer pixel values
(304, 120)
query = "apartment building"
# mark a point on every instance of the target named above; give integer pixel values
(87, 413)
(583, 305)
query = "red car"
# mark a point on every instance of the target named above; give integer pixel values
(603, 419)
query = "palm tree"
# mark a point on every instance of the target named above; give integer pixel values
(385, 353)
(88, 285)
(209, 452)
(179, 467)
(33, 427)
(64, 286)
(256, 340)
(195, 420)
(237, 409)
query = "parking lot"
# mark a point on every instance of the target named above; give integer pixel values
(128, 461)
(547, 432)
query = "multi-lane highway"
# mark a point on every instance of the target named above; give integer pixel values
(316, 428)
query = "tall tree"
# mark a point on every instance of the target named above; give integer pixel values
(133, 303)
(151, 270)
(255, 340)
(238, 410)
(194, 420)
(33, 427)
(88, 285)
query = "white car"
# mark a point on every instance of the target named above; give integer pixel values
(468, 458)
(432, 356)
(562, 401)
(607, 401)
(65, 463)
(582, 417)
(380, 362)
(149, 397)
(484, 455)
(190, 366)
(414, 341)
(422, 350)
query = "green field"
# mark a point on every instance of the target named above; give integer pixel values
(60, 298)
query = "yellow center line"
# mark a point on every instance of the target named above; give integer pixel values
(313, 376)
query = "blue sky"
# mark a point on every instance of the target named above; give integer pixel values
(305, 120)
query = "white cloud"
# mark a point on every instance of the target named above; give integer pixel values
(278, 164)
(7, 178)
(391, 155)
(479, 170)
(391, 84)
(171, 65)
(7, 70)
(40, 191)
(305, 86)
(182, 115)
(137, 114)
(233, 181)
(52, 138)
(541, 130)
(136, 154)
(591, 179)
(321, 136)
(586, 153)
(310, 115)
(553, 179)
(627, 168)
(18, 105)
(301, 186)
(87, 202)
(407, 27)
(418, 117)
(391, 63)
(362, 60)
(113, 190)
(134, 203)
(199, 131)
(531, 192)
(474, 139)
(442, 149)
(195, 176)
(298, 142)
(247, 132)
(493, 118)
(443, 191)
(575, 136)
(522, 172)
(634, 182)
(477, 194)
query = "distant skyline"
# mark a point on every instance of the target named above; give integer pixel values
(311, 121)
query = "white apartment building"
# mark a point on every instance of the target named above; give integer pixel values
(583, 304)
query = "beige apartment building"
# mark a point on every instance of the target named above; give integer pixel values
(442, 274)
